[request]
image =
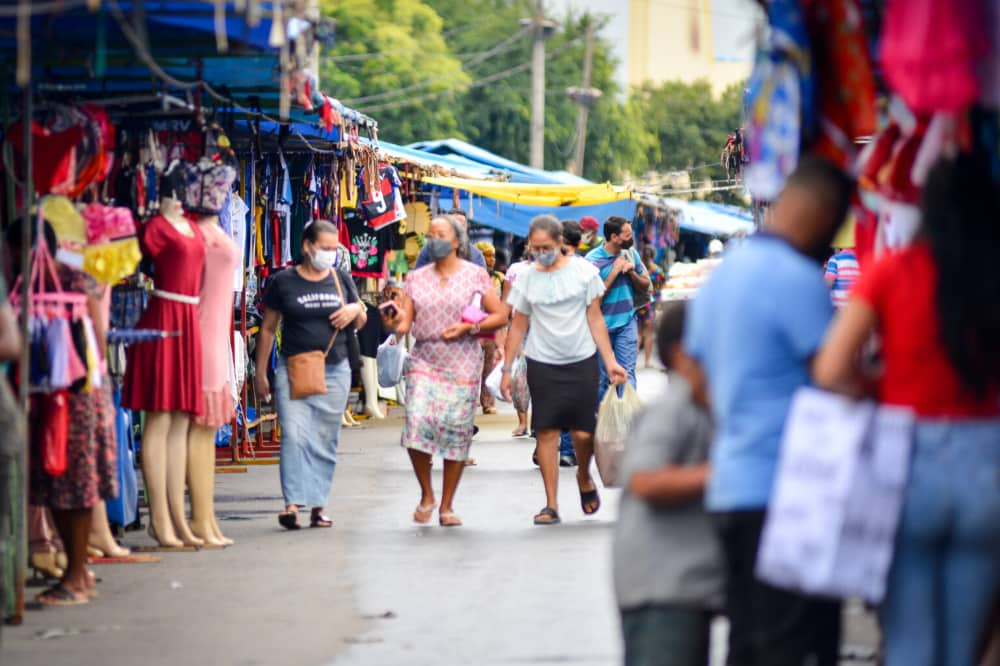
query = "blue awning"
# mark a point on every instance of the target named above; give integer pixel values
(519, 173)
(711, 219)
(515, 218)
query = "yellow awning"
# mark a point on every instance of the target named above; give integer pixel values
(531, 194)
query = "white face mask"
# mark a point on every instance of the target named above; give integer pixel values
(324, 260)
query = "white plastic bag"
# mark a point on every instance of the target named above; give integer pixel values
(613, 421)
(390, 359)
(837, 497)
(493, 382)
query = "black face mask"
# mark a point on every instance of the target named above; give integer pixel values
(626, 244)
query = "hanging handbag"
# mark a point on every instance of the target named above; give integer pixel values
(55, 432)
(307, 371)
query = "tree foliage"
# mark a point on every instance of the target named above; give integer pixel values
(410, 50)
(438, 53)
(690, 124)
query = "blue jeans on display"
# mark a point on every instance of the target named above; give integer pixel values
(625, 343)
(566, 444)
(310, 432)
(946, 565)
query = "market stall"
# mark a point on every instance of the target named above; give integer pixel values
(207, 111)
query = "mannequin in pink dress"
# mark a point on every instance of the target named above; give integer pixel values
(215, 312)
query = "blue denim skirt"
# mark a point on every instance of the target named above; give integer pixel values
(310, 433)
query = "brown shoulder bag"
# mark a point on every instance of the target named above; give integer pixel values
(307, 371)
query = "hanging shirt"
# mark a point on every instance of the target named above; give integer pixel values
(238, 214)
(367, 247)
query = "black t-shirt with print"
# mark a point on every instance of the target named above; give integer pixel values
(305, 308)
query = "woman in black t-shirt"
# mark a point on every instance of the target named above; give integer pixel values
(313, 301)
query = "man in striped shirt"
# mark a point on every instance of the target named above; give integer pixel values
(842, 272)
(622, 271)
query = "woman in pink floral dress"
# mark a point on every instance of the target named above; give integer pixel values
(444, 367)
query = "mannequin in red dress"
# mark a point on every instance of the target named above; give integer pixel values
(169, 394)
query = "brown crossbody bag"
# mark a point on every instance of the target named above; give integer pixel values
(307, 371)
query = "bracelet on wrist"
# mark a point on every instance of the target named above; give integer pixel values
(506, 368)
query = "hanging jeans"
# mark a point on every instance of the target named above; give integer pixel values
(310, 432)
(625, 344)
(946, 566)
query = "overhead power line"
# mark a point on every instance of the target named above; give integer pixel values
(479, 83)
(503, 46)
(353, 57)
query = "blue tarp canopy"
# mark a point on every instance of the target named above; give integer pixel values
(509, 217)
(519, 173)
(712, 219)
(515, 218)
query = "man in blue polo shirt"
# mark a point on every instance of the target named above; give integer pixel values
(754, 328)
(623, 273)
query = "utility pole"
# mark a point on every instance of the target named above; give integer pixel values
(585, 96)
(541, 29)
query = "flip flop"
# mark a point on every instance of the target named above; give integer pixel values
(60, 596)
(519, 432)
(590, 497)
(422, 514)
(449, 519)
(547, 516)
(289, 520)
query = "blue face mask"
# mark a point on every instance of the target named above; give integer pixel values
(438, 248)
(547, 258)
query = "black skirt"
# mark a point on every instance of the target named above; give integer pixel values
(564, 397)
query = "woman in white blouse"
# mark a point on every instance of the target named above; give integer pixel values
(561, 300)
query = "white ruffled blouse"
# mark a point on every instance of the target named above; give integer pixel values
(556, 303)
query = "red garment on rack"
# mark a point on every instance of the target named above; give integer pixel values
(166, 375)
(51, 155)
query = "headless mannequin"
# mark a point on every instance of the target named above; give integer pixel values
(201, 446)
(101, 539)
(165, 448)
(369, 379)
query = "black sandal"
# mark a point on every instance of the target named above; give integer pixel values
(547, 516)
(317, 519)
(590, 497)
(289, 520)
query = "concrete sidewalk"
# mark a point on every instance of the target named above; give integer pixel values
(376, 589)
(276, 597)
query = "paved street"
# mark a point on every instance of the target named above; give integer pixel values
(374, 590)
